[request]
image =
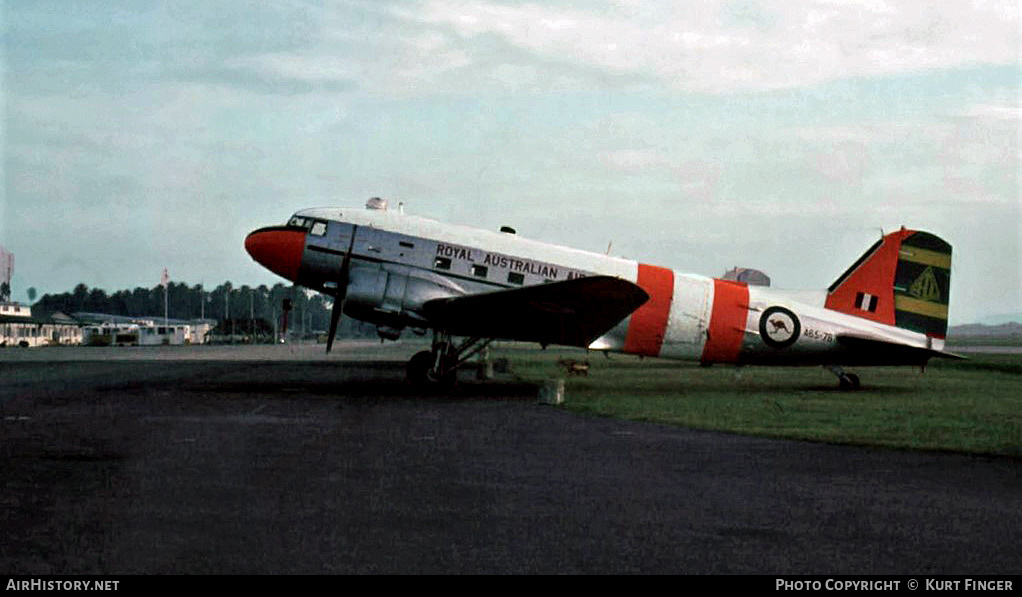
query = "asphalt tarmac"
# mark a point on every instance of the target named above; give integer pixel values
(281, 460)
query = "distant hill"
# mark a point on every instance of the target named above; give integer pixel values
(978, 334)
(1002, 318)
(979, 329)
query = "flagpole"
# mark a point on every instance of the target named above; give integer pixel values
(165, 282)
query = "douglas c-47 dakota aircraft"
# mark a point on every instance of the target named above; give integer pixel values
(400, 271)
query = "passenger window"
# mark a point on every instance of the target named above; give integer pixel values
(442, 263)
(318, 229)
(479, 271)
(516, 278)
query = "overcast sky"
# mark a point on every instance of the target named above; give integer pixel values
(695, 135)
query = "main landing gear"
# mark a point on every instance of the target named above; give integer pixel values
(439, 365)
(846, 381)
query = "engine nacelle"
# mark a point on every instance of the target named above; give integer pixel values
(387, 332)
(392, 296)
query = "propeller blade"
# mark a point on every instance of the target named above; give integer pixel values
(342, 293)
(335, 313)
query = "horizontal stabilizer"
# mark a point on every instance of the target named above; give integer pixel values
(570, 313)
(892, 353)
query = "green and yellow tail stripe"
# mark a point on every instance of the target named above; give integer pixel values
(925, 257)
(920, 307)
(922, 284)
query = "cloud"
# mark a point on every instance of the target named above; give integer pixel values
(421, 48)
(721, 46)
(684, 131)
(995, 112)
(635, 160)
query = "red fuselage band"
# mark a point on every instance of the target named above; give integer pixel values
(649, 322)
(727, 322)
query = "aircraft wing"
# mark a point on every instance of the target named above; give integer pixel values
(570, 313)
(892, 351)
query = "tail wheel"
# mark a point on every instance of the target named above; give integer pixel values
(849, 382)
(846, 381)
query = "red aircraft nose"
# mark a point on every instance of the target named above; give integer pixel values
(278, 249)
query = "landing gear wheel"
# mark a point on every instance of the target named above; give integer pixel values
(849, 382)
(417, 369)
(439, 365)
(449, 375)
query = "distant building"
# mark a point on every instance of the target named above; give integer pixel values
(110, 334)
(120, 330)
(15, 310)
(19, 328)
(154, 334)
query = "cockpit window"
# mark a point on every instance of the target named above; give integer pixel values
(316, 227)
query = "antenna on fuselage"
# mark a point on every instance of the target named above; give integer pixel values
(609, 245)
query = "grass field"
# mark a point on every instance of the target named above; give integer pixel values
(966, 406)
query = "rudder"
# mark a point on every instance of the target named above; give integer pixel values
(903, 280)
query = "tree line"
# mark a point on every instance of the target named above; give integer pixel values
(261, 306)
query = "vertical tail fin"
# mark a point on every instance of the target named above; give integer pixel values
(903, 280)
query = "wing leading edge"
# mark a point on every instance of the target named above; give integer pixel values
(570, 313)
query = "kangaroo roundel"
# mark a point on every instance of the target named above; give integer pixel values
(779, 327)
